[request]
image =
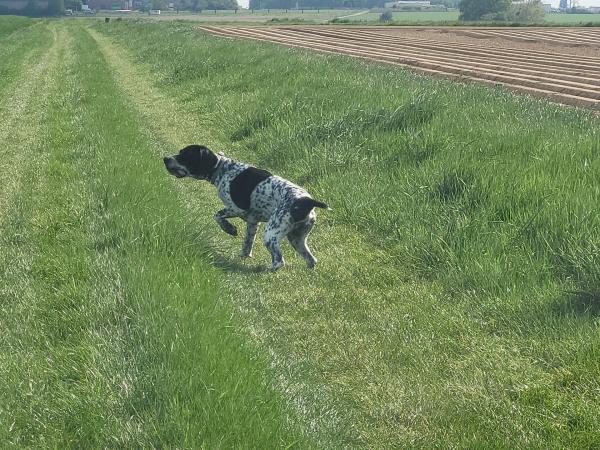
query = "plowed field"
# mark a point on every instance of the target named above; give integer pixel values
(568, 37)
(558, 72)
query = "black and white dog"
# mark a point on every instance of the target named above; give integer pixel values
(254, 195)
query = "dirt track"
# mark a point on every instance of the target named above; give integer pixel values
(567, 71)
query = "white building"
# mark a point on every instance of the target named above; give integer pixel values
(400, 4)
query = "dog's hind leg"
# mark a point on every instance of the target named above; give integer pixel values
(251, 229)
(221, 218)
(298, 237)
(277, 228)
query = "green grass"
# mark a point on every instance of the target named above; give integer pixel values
(451, 18)
(276, 16)
(455, 303)
(21, 46)
(9, 24)
(411, 17)
(244, 16)
(457, 297)
(114, 334)
(573, 19)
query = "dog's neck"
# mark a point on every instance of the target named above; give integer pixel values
(221, 167)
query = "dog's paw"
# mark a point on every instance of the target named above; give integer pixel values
(229, 228)
(276, 266)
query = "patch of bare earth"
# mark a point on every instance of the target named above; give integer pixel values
(538, 39)
(524, 60)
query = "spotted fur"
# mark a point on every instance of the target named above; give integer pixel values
(255, 196)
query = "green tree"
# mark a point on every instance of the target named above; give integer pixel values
(159, 4)
(476, 9)
(528, 12)
(75, 5)
(31, 8)
(386, 17)
(56, 7)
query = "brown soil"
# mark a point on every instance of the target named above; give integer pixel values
(559, 72)
(539, 38)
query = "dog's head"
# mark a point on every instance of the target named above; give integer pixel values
(195, 161)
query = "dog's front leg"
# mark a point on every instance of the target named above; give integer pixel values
(221, 218)
(251, 229)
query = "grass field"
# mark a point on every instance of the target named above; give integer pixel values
(456, 303)
(114, 333)
(579, 19)
(451, 17)
(410, 17)
(10, 24)
(350, 16)
(241, 15)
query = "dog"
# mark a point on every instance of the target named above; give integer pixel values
(255, 196)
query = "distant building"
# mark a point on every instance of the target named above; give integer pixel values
(408, 4)
(110, 4)
(594, 9)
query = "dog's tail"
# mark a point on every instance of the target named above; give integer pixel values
(319, 204)
(303, 206)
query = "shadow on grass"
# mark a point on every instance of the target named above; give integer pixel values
(579, 303)
(234, 265)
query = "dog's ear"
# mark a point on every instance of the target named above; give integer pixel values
(198, 160)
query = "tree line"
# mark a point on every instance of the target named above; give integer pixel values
(502, 10)
(33, 9)
(331, 4)
(58, 7)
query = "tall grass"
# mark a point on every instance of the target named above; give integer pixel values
(114, 335)
(463, 183)
(489, 196)
(9, 24)
(19, 46)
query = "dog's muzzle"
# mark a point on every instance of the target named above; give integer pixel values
(174, 168)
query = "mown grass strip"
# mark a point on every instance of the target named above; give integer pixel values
(205, 386)
(60, 375)
(9, 24)
(26, 70)
(116, 338)
(440, 312)
(20, 52)
(171, 127)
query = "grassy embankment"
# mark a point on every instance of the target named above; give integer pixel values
(345, 17)
(458, 295)
(451, 18)
(9, 24)
(113, 334)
